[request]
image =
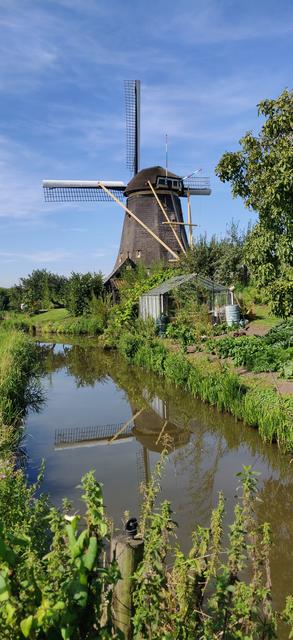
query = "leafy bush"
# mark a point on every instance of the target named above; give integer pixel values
(203, 594)
(80, 291)
(52, 584)
(281, 335)
(129, 344)
(286, 370)
(249, 351)
(182, 333)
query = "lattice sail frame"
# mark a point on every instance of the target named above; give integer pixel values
(132, 111)
(80, 194)
(196, 182)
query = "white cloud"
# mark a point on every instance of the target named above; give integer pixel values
(39, 257)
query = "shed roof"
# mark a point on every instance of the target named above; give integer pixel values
(177, 281)
(117, 270)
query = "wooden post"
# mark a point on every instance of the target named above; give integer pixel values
(189, 219)
(128, 553)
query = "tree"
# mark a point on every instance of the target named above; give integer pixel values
(41, 289)
(220, 259)
(4, 299)
(261, 173)
(80, 290)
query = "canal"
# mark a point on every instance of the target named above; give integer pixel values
(91, 394)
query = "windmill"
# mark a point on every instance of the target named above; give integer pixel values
(153, 228)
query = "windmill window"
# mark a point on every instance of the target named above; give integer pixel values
(170, 183)
(138, 253)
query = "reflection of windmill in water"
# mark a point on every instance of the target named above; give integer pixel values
(154, 227)
(148, 425)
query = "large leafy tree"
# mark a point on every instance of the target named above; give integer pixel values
(220, 259)
(261, 173)
(41, 289)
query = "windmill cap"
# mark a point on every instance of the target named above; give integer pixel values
(140, 181)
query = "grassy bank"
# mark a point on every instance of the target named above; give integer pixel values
(19, 366)
(54, 321)
(215, 383)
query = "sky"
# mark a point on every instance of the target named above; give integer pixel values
(204, 65)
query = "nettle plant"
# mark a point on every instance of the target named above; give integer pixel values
(203, 595)
(53, 581)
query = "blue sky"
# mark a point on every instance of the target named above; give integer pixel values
(204, 65)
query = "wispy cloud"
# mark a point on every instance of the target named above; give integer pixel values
(38, 257)
(210, 22)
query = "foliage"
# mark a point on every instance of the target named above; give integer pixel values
(281, 335)
(41, 289)
(15, 297)
(56, 321)
(4, 299)
(19, 385)
(134, 284)
(81, 288)
(192, 318)
(52, 582)
(101, 308)
(203, 594)
(249, 351)
(220, 259)
(261, 174)
(218, 385)
(182, 332)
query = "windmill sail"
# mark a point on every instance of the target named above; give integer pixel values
(197, 186)
(132, 108)
(81, 190)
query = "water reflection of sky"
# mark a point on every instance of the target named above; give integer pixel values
(86, 388)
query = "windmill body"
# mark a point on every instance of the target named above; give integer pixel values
(153, 228)
(136, 243)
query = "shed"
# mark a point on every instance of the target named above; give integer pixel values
(157, 300)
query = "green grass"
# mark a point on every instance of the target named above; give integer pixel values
(263, 318)
(19, 366)
(53, 315)
(54, 321)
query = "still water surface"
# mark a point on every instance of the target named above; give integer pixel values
(90, 394)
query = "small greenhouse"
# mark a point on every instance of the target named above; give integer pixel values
(159, 300)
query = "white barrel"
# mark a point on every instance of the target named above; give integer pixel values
(232, 314)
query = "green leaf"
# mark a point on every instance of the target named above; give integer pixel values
(66, 632)
(4, 588)
(90, 555)
(26, 625)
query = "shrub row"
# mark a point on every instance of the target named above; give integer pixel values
(216, 384)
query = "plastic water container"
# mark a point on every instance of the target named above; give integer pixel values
(232, 314)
